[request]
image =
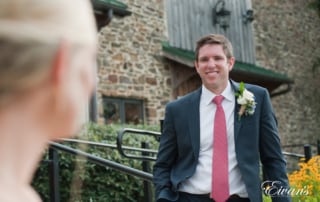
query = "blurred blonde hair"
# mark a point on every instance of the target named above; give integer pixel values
(30, 33)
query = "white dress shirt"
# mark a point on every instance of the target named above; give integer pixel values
(200, 182)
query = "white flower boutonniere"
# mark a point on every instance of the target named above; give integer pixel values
(246, 99)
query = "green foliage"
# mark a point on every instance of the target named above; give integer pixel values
(295, 199)
(266, 198)
(81, 180)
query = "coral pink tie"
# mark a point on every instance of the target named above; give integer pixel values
(220, 183)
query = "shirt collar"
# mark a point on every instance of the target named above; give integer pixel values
(208, 96)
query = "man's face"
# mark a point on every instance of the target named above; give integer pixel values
(213, 67)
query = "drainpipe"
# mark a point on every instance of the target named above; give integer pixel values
(289, 87)
(102, 19)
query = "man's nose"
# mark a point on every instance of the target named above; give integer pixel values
(211, 62)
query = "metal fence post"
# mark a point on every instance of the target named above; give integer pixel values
(318, 147)
(161, 125)
(146, 168)
(93, 107)
(307, 152)
(54, 175)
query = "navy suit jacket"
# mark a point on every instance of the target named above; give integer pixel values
(256, 140)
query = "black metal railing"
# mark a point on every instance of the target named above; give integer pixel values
(145, 151)
(54, 175)
(146, 154)
(54, 165)
(307, 149)
(102, 161)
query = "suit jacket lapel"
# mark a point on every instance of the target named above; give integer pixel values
(237, 122)
(194, 121)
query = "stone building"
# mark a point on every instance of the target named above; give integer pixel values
(140, 71)
(287, 40)
(135, 80)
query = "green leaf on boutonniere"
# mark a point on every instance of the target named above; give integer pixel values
(241, 89)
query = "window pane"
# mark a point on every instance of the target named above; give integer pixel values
(111, 112)
(133, 113)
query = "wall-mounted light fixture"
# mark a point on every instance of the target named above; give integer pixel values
(221, 15)
(248, 16)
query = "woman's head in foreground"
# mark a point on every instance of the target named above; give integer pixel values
(47, 56)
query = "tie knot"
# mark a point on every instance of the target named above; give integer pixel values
(218, 99)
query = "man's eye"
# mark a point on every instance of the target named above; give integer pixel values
(203, 59)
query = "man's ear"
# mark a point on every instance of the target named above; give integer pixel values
(231, 62)
(59, 65)
(196, 65)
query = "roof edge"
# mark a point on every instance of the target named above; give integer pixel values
(118, 7)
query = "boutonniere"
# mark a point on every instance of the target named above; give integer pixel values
(246, 99)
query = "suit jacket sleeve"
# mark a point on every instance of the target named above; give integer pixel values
(166, 158)
(274, 165)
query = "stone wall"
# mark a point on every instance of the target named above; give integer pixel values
(130, 62)
(287, 41)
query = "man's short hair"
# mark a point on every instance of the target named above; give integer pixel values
(215, 39)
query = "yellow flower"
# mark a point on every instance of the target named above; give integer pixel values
(308, 176)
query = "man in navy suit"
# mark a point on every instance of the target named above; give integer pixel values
(184, 167)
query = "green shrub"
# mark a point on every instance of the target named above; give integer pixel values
(81, 180)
